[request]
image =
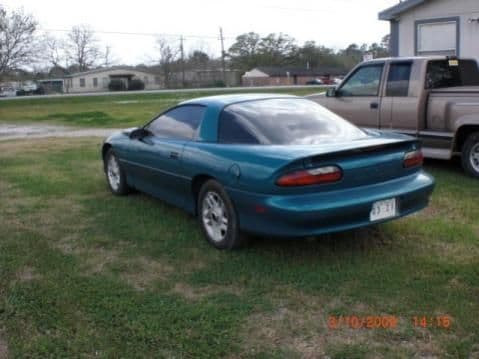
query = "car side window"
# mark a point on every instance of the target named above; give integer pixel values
(178, 123)
(398, 80)
(364, 82)
(232, 131)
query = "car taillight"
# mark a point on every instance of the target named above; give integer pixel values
(327, 174)
(413, 158)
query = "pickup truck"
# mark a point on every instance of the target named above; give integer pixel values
(435, 99)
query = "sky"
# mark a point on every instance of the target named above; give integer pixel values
(333, 23)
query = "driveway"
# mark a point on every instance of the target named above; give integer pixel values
(16, 131)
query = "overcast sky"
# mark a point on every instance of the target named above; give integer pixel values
(333, 23)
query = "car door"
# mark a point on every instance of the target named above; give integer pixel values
(358, 97)
(158, 157)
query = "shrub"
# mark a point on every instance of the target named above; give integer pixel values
(136, 85)
(39, 91)
(219, 83)
(116, 85)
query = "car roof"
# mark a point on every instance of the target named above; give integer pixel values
(225, 100)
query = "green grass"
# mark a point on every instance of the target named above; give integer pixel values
(107, 111)
(85, 273)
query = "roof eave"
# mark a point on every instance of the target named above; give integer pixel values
(393, 12)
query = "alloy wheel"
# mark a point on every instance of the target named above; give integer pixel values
(214, 216)
(474, 157)
(113, 173)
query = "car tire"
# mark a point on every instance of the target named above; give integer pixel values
(217, 217)
(470, 155)
(115, 175)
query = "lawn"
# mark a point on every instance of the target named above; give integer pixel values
(87, 274)
(107, 111)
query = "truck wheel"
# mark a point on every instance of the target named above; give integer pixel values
(470, 155)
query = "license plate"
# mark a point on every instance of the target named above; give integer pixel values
(383, 209)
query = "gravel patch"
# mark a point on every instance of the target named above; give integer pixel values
(15, 131)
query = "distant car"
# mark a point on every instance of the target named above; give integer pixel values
(268, 164)
(315, 82)
(29, 87)
(7, 92)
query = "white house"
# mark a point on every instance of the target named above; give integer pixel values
(97, 80)
(434, 27)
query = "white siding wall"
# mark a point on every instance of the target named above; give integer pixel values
(464, 9)
(103, 80)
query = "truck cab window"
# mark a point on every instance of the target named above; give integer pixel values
(398, 80)
(364, 82)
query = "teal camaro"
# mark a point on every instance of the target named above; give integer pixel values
(273, 165)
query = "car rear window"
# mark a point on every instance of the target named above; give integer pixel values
(441, 74)
(283, 122)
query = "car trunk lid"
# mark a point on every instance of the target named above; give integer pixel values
(369, 162)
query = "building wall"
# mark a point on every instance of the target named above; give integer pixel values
(463, 9)
(275, 81)
(73, 84)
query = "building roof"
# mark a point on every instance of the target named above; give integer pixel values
(295, 71)
(396, 10)
(50, 80)
(105, 69)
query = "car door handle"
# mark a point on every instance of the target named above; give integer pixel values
(374, 105)
(174, 155)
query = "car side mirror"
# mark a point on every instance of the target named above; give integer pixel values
(139, 133)
(332, 92)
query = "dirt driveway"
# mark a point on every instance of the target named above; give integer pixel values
(16, 131)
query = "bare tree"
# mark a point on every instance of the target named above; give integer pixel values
(54, 51)
(109, 59)
(82, 47)
(167, 55)
(18, 43)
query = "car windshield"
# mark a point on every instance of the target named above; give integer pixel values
(451, 73)
(283, 122)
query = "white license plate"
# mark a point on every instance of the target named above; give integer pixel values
(383, 209)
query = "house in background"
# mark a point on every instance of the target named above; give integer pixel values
(211, 78)
(434, 27)
(274, 76)
(98, 80)
(196, 78)
(53, 85)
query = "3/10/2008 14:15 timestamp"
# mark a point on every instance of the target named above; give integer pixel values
(387, 321)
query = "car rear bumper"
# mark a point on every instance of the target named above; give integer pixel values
(319, 213)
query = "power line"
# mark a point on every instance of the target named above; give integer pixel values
(153, 34)
(297, 9)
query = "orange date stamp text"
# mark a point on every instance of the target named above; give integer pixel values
(387, 321)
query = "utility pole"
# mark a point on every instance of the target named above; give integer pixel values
(107, 57)
(223, 68)
(182, 52)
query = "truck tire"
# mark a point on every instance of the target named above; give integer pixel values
(470, 155)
